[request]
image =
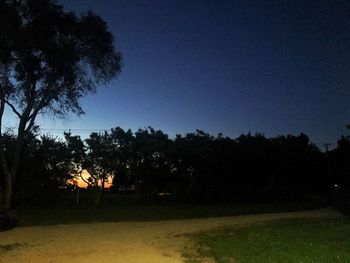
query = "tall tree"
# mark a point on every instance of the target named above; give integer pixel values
(47, 165)
(150, 162)
(98, 155)
(49, 59)
(123, 142)
(100, 162)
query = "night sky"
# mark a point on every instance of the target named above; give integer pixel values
(276, 67)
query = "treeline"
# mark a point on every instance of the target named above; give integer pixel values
(193, 167)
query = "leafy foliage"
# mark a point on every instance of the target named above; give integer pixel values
(53, 58)
(49, 59)
(194, 167)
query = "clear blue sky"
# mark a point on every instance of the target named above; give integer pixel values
(275, 67)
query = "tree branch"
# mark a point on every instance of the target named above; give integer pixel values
(42, 104)
(13, 108)
(82, 178)
(2, 145)
(32, 118)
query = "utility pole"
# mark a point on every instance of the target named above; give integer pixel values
(326, 146)
(330, 187)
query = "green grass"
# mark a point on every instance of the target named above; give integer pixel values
(117, 209)
(287, 241)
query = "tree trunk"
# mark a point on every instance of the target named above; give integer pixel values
(10, 176)
(99, 192)
(98, 195)
(18, 149)
(6, 190)
(7, 194)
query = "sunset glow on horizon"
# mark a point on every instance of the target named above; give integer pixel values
(85, 174)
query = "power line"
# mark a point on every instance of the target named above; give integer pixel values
(73, 130)
(76, 131)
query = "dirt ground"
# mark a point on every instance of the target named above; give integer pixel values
(125, 242)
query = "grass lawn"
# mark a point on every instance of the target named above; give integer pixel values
(297, 240)
(116, 209)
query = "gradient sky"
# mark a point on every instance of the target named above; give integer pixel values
(277, 67)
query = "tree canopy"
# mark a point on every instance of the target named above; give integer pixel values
(49, 59)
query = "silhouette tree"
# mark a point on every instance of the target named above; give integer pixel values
(193, 152)
(100, 162)
(150, 166)
(48, 60)
(76, 153)
(98, 155)
(47, 167)
(123, 142)
(340, 165)
(46, 164)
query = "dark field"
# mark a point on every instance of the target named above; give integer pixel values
(117, 208)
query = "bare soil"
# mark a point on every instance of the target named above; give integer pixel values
(125, 242)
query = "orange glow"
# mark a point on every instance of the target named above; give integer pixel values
(85, 174)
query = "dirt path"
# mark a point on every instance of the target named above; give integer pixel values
(125, 242)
